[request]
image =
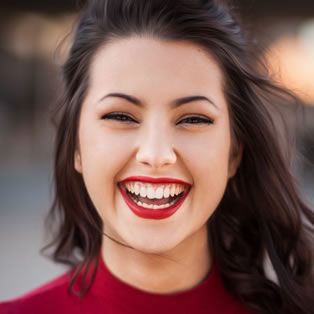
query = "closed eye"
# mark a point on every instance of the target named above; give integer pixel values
(119, 117)
(197, 120)
(127, 119)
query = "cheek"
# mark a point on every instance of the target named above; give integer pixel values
(102, 148)
(207, 160)
(207, 152)
(103, 155)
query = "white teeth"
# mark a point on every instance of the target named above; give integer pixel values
(173, 190)
(178, 190)
(150, 206)
(143, 192)
(132, 188)
(150, 192)
(154, 191)
(167, 191)
(137, 188)
(159, 192)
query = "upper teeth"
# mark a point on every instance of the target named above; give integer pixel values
(154, 191)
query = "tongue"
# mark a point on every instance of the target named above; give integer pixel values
(155, 201)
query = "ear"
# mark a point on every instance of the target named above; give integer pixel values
(77, 161)
(235, 160)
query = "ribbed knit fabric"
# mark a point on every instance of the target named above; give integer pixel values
(109, 295)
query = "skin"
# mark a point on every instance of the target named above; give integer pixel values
(159, 143)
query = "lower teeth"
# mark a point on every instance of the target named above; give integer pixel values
(152, 206)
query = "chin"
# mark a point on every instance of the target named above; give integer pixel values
(154, 246)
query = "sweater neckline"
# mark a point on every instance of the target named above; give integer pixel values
(107, 285)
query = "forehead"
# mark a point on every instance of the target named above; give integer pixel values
(148, 66)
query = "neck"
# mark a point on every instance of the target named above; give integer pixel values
(179, 269)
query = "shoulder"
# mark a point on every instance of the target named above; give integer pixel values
(40, 299)
(242, 308)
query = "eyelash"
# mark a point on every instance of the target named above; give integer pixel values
(113, 116)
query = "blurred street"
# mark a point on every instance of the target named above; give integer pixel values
(30, 32)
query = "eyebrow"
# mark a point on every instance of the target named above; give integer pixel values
(174, 104)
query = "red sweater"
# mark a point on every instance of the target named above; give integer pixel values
(109, 295)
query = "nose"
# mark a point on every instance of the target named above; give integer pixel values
(156, 148)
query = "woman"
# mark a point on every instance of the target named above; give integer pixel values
(172, 192)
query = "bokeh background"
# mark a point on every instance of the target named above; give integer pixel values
(30, 32)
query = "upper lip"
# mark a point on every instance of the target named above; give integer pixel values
(155, 180)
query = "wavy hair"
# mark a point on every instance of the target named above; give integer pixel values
(261, 216)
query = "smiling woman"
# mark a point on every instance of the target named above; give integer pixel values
(155, 139)
(171, 190)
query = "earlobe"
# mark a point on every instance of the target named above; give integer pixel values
(77, 162)
(235, 161)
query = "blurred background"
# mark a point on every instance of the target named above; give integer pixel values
(30, 32)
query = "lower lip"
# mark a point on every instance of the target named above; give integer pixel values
(152, 213)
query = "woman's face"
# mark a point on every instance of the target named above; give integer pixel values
(157, 139)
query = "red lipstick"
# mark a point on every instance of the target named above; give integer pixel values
(154, 180)
(153, 213)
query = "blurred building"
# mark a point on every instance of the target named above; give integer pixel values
(30, 32)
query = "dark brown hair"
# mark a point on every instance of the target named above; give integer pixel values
(261, 214)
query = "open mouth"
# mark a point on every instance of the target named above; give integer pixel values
(147, 202)
(154, 203)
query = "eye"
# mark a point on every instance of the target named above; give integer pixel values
(127, 119)
(118, 117)
(197, 120)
